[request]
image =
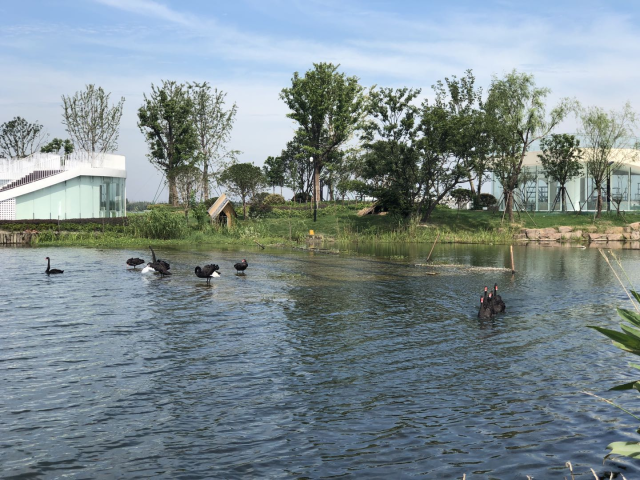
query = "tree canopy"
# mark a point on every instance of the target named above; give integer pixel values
(603, 132)
(59, 146)
(327, 106)
(166, 120)
(244, 180)
(560, 159)
(19, 138)
(517, 117)
(213, 123)
(92, 123)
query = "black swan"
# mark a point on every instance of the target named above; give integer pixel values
(158, 261)
(49, 270)
(156, 267)
(241, 266)
(208, 272)
(134, 262)
(498, 304)
(485, 311)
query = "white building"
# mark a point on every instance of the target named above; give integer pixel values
(49, 186)
(537, 193)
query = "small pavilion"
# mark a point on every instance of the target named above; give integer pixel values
(222, 211)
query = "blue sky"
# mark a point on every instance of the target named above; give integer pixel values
(250, 49)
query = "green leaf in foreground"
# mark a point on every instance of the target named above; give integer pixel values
(629, 316)
(627, 449)
(621, 340)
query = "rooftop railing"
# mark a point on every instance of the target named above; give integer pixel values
(13, 169)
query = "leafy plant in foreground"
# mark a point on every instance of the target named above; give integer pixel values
(629, 341)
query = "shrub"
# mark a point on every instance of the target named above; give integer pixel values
(259, 210)
(200, 213)
(301, 197)
(159, 223)
(274, 199)
(461, 196)
(487, 200)
(258, 198)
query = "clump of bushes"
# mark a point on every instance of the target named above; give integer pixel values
(274, 199)
(259, 210)
(159, 223)
(461, 196)
(301, 197)
(485, 200)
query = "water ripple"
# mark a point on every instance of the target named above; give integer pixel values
(307, 366)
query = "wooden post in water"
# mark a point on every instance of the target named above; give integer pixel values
(513, 268)
(433, 246)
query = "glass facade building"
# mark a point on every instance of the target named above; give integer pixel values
(64, 188)
(536, 192)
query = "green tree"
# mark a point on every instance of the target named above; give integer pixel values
(461, 196)
(390, 137)
(187, 180)
(298, 170)
(608, 138)
(19, 138)
(213, 124)
(516, 118)
(274, 172)
(327, 106)
(59, 146)
(244, 180)
(166, 120)
(471, 142)
(453, 143)
(92, 123)
(560, 159)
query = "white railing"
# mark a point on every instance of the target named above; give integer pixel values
(14, 169)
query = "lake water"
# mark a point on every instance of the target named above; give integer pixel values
(310, 365)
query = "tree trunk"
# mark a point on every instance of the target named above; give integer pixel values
(471, 186)
(563, 199)
(205, 180)
(173, 191)
(429, 211)
(508, 206)
(244, 209)
(599, 203)
(316, 182)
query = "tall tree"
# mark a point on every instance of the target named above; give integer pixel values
(390, 137)
(454, 146)
(92, 123)
(560, 159)
(187, 179)
(274, 172)
(327, 106)
(59, 146)
(603, 133)
(417, 155)
(516, 113)
(244, 180)
(463, 100)
(19, 138)
(213, 123)
(298, 171)
(166, 120)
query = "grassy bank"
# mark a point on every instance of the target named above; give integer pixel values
(291, 226)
